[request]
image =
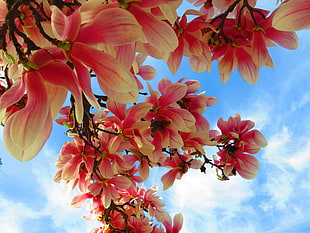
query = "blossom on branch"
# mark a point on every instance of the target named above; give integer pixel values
(50, 48)
(237, 141)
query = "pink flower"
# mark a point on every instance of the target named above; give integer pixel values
(75, 158)
(153, 203)
(127, 123)
(67, 119)
(245, 46)
(110, 161)
(113, 77)
(46, 92)
(139, 225)
(107, 189)
(191, 44)
(237, 161)
(237, 142)
(168, 118)
(175, 226)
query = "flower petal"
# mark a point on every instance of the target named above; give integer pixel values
(169, 178)
(172, 94)
(158, 33)
(292, 15)
(24, 137)
(12, 95)
(79, 200)
(175, 57)
(110, 72)
(246, 67)
(114, 26)
(65, 27)
(22, 129)
(287, 40)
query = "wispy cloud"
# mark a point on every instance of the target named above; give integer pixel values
(14, 215)
(46, 205)
(300, 102)
(64, 217)
(207, 202)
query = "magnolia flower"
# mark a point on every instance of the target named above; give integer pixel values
(46, 93)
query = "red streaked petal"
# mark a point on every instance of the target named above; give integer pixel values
(64, 78)
(260, 52)
(158, 33)
(227, 65)
(72, 168)
(110, 72)
(29, 152)
(65, 27)
(57, 96)
(126, 54)
(147, 72)
(105, 169)
(175, 57)
(23, 133)
(177, 223)
(246, 67)
(12, 95)
(173, 93)
(79, 200)
(292, 15)
(163, 84)
(169, 178)
(114, 26)
(123, 98)
(287, 40)
(116, 108)
(121, 182)
(84, 82)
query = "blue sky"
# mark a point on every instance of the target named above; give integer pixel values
(277, 201)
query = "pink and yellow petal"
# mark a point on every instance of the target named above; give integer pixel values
(29, 152)
(246, 67)
(65, 27)
(158, 33)
(292, 15)
(285, 39)
(169, 178)
(12, 95)
(72, 168)
(23, 125)
(172, 94)
(175, 57)
(114, 26)
(110, 72)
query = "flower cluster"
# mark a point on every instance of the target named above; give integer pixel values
(108, 162)
(47, 51)
(234, 33)
(51, 48)
(237, 141)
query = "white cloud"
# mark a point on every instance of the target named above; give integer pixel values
(14, 215)
(286, 165)
(207, 202)
(300, 159)
(58, 200)
(275, 202)
(55, 211)
(277, 146)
